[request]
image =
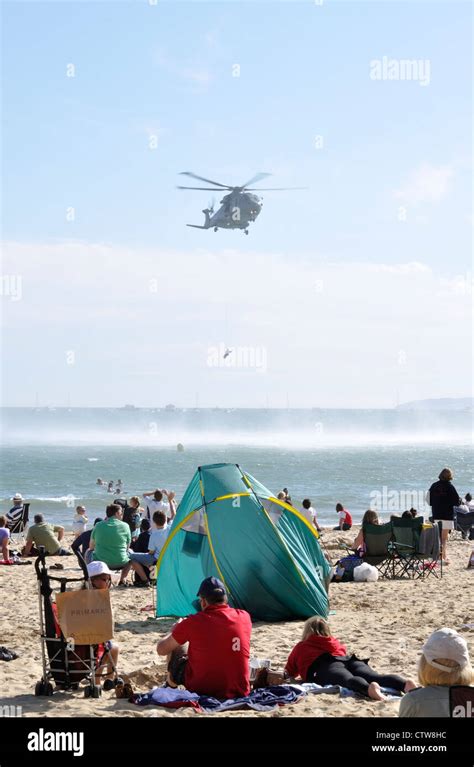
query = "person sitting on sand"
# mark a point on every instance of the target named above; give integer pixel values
(321, 658)
(107, 655)
(80, 545)
(209, 652)
(4, 538)
(140, 544)
(443, 497)
(444, 662)
(158, 537)
(370, 518)
(43, 534)
(345, 519)
(79, 523)
(310, 514)
(110, 541)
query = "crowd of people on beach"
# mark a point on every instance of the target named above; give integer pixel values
(209, 652)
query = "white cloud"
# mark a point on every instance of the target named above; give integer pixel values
(332, 331)
(413, 267)
(428, 183)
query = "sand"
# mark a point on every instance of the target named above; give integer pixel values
(386, 621)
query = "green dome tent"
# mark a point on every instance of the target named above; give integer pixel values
(230, 526)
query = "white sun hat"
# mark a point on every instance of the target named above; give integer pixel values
(446, 643)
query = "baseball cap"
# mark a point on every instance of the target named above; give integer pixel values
(97, 568)
(446, 643)
(211, 587)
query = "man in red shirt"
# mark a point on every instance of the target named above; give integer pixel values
(209, 652)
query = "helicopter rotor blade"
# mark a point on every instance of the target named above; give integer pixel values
(254, 179)
(275, 188)
(207, 180)
(200, 188)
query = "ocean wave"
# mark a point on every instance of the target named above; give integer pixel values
(58, 499)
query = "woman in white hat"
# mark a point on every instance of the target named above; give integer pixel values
(444, 662)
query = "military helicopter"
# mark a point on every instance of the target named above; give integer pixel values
(238, 208)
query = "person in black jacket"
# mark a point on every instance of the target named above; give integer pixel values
(140, 545)
(443, 496)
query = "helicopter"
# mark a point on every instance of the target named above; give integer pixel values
(238, 208)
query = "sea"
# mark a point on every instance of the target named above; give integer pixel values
(383, 459)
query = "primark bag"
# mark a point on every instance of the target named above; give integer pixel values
(86, 616)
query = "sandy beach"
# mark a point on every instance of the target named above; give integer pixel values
(386, 620)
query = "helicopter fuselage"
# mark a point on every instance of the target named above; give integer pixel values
(237, 211)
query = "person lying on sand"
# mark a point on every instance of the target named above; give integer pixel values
(321, 658)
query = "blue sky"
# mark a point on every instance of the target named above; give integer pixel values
(166, 70)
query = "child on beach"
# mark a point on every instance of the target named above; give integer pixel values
(140, 544)
(309, 514)
(345, 519)
(107, 653)
(444, 663)
(79, 524)
(321, 658)
(4, 538)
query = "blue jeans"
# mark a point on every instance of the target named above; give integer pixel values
(144, 559)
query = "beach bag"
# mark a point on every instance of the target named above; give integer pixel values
(366, 572)
(347, 565)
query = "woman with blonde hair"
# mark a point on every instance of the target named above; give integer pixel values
(444, 662)
(321, 658)
(443, 497)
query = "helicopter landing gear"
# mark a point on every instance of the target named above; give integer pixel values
(216, 228)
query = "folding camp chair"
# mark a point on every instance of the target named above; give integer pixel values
(461, 701)
(377, 539)
(410, 557)
(464, 524)
(19, 528)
